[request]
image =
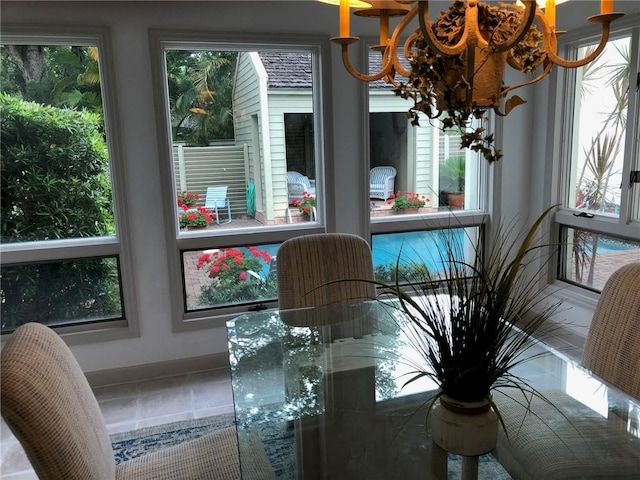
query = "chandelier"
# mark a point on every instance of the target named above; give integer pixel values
(456, 63)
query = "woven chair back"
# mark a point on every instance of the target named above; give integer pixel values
(308, 264)
(49, 406)
(612, 348)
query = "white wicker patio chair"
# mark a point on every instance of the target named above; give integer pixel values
(297, 184)
(381, 182)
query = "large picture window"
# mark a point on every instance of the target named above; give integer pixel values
(62, 260)
(242, 166)
(599, 222)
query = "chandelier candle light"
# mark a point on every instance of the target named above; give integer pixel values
(456, 63)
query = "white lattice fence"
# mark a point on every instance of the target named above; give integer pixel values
(197, 168)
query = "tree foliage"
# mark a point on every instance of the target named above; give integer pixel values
(200, 95)
(55, 177)
(58, 75)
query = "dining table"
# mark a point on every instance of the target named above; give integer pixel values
(325, 392)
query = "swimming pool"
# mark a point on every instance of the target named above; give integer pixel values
(416, 247)
(423, 247)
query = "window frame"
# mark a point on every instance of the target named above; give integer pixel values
(162, 39)
(118, 245)
(561, 108)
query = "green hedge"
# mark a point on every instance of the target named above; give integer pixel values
(55, 185)
(55, 173)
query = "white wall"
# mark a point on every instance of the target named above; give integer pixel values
(346, 128)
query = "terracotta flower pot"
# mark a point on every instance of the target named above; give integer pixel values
(455, 199)
(410, 210)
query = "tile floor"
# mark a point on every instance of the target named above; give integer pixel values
(137, 405)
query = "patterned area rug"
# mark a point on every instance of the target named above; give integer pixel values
(277, 443)
(132, 444)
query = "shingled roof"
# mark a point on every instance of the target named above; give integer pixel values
(289, 70)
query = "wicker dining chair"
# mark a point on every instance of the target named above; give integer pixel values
(322, 270)
(612, 348)
(308, 264)
(548, 444)
(49, 406)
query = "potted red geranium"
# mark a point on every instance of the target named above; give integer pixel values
(306, 205)
(409, 202)
(200, 218)
(187, 198)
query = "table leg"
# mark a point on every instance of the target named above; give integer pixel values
(439, 465)
(469, 468)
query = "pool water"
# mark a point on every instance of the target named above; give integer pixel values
(414, 247)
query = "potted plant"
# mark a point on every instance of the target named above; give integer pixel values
(188, 199)
(200, 218)
(469, 343)
(452, 171)
(306, 205)
(439, 85)
(409, 202)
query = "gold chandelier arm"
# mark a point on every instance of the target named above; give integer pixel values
(394, 43)
(523, 28)
(551, 44)
(547, 68)
(430, 38)
(386, 65)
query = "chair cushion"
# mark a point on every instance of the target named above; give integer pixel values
(210, 457)
(559, 444)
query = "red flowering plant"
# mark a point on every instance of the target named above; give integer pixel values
(233, 263)
(400, 201)
(187, 198)
(236, 276)
(199, 218)
(306, 205)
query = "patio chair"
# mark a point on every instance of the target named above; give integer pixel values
(216, 199)
(381, 182)
(47, 402)
(297, 184)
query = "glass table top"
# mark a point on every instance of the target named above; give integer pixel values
(330, 401)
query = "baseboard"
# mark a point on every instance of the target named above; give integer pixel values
(149, 371)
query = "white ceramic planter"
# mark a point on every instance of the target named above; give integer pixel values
(464, 428)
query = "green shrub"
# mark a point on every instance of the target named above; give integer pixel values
(55, 173)
(55, 185)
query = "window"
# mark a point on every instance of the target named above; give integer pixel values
(242, 119)
(63, 262)
(424, 167)
(428, 163)
(599, 219)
